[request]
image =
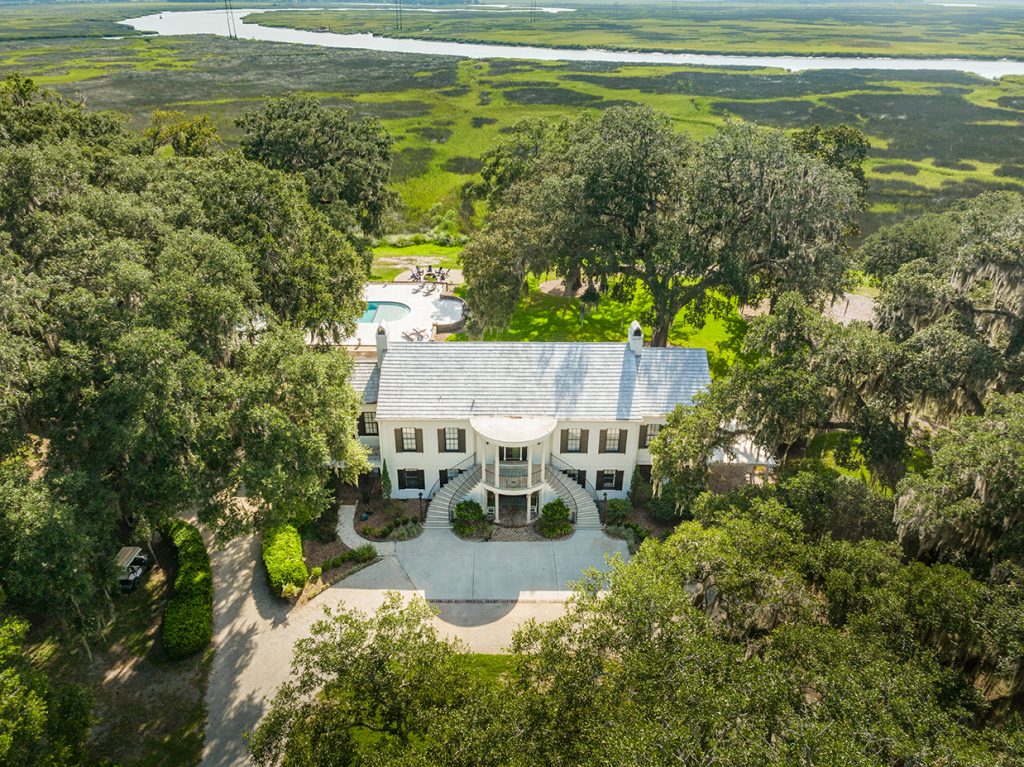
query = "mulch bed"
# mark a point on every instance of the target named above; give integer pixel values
(382, 512)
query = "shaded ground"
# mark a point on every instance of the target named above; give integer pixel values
(149, 710)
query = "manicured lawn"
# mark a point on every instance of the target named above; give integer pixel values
(391, 260)
(488, 668)
(542, 317)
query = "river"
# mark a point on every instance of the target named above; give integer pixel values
(216, 23)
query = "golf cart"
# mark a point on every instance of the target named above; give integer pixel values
(131, 566)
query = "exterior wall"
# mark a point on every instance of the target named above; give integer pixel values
(432, 462)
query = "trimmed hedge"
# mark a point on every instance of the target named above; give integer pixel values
(188, 619)
(282, 556)
(554, 521)
(469, 519)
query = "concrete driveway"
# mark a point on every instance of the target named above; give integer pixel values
(483, 593)
(444, 567)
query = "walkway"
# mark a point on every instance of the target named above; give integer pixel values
(254, 632)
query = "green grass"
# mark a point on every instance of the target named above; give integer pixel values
(543, 317)
(488, 668)
(831, 29)
(149, 710)
(936, 136)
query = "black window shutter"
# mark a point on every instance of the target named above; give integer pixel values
(602, 441)
(399, 447)
(623, 436)
(401, 479)
(419, 440)
(440, 440)
(581, 477)
(462, 440)
(420, 479)
(361, 425)
(618, 480)
(643, 435)
(564, 446)
(442, 477)
(584, 438)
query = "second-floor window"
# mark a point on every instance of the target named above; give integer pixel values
(650, 431)
(451, 439)
(408, 439)
(573, 440)
(368, 424)
(611, 441)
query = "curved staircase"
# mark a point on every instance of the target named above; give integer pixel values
(587, 515)
(455, 489)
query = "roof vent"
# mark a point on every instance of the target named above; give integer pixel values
(635, 338)
(382, 343)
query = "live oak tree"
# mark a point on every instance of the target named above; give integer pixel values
(741, 639)
(187, 136)
(843, 147)
(628, 202)
(153, 326)
(952, 289)
(387, 675)
(344, 158)
(968, 507)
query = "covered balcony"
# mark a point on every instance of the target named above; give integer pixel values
(514, 454)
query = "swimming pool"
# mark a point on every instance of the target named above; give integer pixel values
(380, 311)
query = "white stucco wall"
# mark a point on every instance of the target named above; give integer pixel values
(431, 462)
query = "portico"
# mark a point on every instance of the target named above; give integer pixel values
(514, 453)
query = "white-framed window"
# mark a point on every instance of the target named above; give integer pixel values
(408, 439)
(573, 440)
(451, 439)
(652, 432)
(370, 427)
(611, 440)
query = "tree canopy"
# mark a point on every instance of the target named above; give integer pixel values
(745, 638)
(154, 320)
(344, 158)
(627, 202)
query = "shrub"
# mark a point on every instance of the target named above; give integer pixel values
(361, 555)
(399, 529)
(469, 519)
(188, 619)
(639, 489)
(554, 519)
(618, 510)
(315, 573)
(630, 532)
(385, 482)
(663, 508)
(282, 556)
(325, 527)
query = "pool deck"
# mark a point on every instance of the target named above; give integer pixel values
(428, 305)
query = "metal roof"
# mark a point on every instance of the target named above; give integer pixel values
(365, 378)
(597, 381)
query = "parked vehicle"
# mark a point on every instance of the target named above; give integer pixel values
(132, 564)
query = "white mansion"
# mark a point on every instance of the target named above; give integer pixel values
(515, 425)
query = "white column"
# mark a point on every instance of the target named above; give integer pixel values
(543, 460)
(529, 473)
(497, 482)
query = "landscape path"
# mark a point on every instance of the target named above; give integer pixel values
(483, 592)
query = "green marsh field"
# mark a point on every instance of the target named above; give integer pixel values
(936, 136)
